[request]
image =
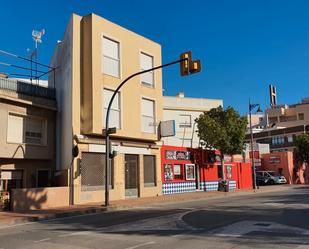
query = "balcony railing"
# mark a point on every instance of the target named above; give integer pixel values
(27, 88)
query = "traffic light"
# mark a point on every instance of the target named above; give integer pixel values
(187, 66)
(184, 65)
(195, 66)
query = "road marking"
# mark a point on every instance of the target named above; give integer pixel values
(241, 228)
(41, 240)
(140, 245)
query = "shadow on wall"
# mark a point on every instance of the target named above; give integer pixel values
(27, 199)
(39, 198)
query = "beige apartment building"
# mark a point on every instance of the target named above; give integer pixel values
(280, 124)
(93, 58)
(184, 110)
(27, 136)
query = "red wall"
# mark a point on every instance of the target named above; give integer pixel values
(280, 160)
(182, 162)
(241, 172)
(244, 175)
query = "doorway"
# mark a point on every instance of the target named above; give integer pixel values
(131, 176)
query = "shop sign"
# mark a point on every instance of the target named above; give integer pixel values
(11, 175)
(274, 160)
(168, 172)
(177, 169)
(190, 172)
(177, 155)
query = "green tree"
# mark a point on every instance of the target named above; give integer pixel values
(223, 130)
(302, 148)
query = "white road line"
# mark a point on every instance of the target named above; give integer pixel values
(140, 245)
(41, 240)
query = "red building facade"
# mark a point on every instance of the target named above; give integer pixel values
(189, 170)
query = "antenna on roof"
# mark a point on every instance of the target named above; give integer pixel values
(37, 37)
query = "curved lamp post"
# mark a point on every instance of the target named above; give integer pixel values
(187, 66)
(251, 108)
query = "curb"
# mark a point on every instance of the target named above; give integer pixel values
(53, 216)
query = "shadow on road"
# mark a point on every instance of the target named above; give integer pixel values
(290, 208)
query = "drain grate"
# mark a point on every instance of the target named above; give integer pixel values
(262, 224)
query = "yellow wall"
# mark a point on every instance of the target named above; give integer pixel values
(93, 80)
(80, 82)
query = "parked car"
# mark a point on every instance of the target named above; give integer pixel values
(269, 177)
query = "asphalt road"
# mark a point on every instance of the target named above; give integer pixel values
(258, 220)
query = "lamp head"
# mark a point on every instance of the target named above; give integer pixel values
(259, 109)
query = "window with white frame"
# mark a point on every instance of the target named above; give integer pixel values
(184, 120)
(111, 57)
(148, 116)
(278, 140)
(147, 63)
(23, 129)
(115, 111)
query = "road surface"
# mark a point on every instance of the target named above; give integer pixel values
(260, 220)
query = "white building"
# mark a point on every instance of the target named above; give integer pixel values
(184, 111)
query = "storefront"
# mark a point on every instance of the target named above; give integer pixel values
(178, 170)
(189, 170)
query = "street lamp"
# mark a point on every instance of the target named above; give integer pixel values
(187, 67)
(251, 108)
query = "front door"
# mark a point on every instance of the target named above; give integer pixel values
(131, 176)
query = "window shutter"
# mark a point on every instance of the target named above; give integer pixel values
(147, 107)
(110, 48)
(114, 115)
(15, 128)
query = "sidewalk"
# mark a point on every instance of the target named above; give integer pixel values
(11, 218)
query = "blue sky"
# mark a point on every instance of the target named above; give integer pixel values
(243, 45)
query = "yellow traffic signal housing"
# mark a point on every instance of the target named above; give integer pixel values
(185, 64)
(195, 66)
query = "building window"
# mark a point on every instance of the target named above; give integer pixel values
(115, 112)
(23, 129)
(148, 116)
(178, 172)
(147, 63)
(149, 171)
(301, 116)
(278, 140)
(290, 139)
(92, 170)
(184, 120)
(111, 58)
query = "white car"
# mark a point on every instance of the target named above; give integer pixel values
(270, 177)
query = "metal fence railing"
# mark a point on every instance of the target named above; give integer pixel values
(27, 88)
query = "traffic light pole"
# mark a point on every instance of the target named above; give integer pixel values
(107, 130)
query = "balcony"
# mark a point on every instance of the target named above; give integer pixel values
(27, 89)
